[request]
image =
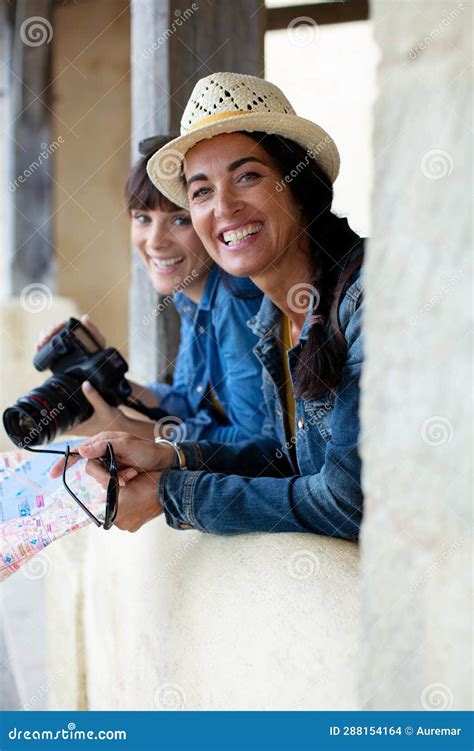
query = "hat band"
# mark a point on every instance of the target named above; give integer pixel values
(215, 118)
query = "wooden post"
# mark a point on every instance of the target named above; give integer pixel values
(173, 45)
(29, 146)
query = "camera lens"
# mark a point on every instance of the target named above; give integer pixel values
(41, 415)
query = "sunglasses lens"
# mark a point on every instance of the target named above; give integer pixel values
(112, 503)
(112, 488)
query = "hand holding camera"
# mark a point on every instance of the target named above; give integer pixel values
(87, 386)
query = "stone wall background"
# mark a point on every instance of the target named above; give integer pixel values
(416, 409)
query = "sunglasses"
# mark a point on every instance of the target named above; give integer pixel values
(111, 500)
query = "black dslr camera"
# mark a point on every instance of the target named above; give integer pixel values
(74, 356)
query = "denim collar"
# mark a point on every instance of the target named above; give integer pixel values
(263, 324)
(188, 306)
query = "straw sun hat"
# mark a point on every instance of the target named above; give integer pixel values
(230, 102)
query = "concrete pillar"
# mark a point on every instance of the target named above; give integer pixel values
(416, 446)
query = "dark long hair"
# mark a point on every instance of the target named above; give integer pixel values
(331, 241)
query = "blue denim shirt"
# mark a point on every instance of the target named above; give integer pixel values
(216, 350)
(265, 484)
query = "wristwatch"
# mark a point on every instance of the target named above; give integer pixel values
(180, 456)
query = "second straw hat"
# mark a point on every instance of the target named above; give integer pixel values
(231, 102)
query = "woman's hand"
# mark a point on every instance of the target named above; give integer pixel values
(138, 501)
(104, 417)
(85, 320)
(133, 455)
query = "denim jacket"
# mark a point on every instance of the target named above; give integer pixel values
(216, 352)
(265, 484)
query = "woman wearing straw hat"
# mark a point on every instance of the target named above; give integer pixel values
(216, 389)
(258, 182)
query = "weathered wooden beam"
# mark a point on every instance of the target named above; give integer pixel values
(174, 43)
(321, 13)
(30, 148)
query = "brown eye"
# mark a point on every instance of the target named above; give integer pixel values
(248, 176)
(200, 193)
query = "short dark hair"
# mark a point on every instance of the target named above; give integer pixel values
(140, 193)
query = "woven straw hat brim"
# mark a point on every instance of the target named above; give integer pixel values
(165, 167)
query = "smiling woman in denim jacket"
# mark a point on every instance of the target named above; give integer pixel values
(258, 181)
(217, 379)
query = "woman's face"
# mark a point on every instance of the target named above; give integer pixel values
(245, 222)
(172, 252)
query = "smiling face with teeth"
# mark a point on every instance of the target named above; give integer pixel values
(172, 252)
(248, 226)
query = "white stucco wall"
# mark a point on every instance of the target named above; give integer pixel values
(185, 620)
(417, 424)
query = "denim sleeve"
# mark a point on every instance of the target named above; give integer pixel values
(173, 399)
(259, 456)
(242, 379)
(200, 426)
(206, 426)
(328, 502)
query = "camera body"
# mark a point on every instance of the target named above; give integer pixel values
(74, 356)
(74, 351)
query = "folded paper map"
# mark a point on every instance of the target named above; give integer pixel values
(36, 510)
